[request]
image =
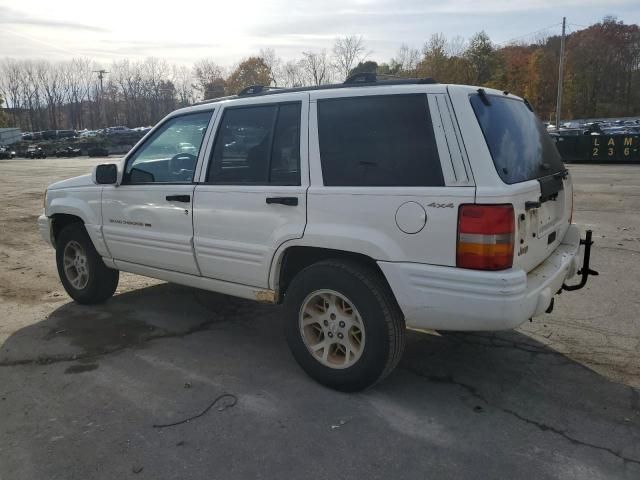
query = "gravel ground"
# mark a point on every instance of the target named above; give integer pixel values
(81, 388)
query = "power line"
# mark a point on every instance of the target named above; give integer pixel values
(529, 34)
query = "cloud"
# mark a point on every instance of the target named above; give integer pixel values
(9, 16)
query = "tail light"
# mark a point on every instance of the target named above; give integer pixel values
(485, 237)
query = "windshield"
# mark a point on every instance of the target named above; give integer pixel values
(518, 141)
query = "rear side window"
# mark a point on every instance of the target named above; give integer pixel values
(518, 141)
(385, 141)
(258, 145)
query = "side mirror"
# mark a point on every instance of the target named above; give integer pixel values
(106, 174)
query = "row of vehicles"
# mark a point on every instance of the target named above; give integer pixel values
(60, 134)
(597, 127)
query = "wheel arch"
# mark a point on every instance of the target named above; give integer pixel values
(295, 258)
(61, 220)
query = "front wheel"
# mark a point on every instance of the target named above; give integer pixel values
(343, 325)
(82, 272)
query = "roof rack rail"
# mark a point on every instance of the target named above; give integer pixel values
(255, 89)
(373, 78)
(363, 79)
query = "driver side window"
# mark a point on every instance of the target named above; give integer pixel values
(170, 155)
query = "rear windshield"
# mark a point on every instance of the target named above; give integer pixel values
(518, 141)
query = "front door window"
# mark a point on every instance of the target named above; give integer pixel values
(170, 155)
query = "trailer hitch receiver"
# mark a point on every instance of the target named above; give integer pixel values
(584, 271)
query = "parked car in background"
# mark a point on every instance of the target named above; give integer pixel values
(7, 153)
(98, 152)
(49, 134)
(65, 133)
(119, 130)
(36, 152)
(68, 152)
(88, 133)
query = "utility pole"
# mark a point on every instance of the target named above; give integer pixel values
(101, 113)
(560, 74)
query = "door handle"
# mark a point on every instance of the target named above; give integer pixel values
(291, 201)
(178, 198)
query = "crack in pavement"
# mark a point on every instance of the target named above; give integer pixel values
(448, 379)
(49, 360)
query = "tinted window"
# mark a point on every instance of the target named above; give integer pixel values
(170, 155)
(518, 141)
(285, 160)
(378, 141)
(258, 145)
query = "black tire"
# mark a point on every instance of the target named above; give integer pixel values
(383, 322)
(102, 281)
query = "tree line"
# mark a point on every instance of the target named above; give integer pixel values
(602, 77)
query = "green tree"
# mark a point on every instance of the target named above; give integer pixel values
(482, 58)
(364, 67)
(435, 61)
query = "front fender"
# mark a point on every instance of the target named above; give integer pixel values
(84, 204)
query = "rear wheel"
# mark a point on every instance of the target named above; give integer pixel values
(343, 325)
(82, 272)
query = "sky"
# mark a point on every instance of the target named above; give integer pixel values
(184, 31)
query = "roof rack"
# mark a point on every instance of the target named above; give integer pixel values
(255, 89)
(362, 79)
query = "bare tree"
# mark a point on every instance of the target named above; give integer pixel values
(78, 79)
(273, 62)
(406, 59)
(209, 78)
(316, 67)
(183, 81)
(10, 83)
(456, 46)
(292, 74)
(347, 53)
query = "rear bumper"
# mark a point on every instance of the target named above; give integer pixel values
(447, 298)
(44, 226)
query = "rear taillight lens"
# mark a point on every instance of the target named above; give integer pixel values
(485, 237)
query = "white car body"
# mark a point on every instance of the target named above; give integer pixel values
(228, 240)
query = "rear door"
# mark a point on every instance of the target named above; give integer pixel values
(252, 194)
(531, 175)
(387, 173)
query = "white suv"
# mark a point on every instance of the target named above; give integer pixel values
(365, 208)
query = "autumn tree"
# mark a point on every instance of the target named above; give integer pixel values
(603, 65)
(435, 61)
(251, 71)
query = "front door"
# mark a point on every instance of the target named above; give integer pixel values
(147, 219)
(252, 196)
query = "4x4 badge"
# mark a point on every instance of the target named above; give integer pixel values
(440, 205)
